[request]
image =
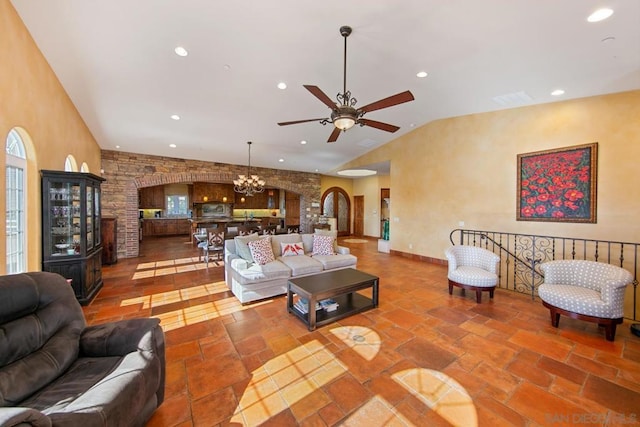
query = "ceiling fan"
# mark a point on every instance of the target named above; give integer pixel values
(344, 114)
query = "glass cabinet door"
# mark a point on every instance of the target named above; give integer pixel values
(97, 215)
(64, 218)
(90, 218)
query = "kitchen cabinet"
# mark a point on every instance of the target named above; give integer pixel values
(151, 197)
(71, 230)
(212, 192)
(165, 227)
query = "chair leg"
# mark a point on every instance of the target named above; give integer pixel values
(610, 331)
(478, 296)
(491, 293)
(450, 289)
(555, 318)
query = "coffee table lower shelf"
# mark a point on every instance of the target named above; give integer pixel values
(348, 305)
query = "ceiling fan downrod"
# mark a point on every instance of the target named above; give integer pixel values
(345, 98)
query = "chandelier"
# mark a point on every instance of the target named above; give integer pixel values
(248, 184)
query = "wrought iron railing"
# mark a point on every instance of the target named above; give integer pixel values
(521, 256)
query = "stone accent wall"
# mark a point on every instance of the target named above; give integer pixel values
(125, 173)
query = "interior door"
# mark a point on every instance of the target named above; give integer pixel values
(292, 208)
(358, 216)
(336, 204)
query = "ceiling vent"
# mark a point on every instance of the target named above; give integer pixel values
(367, 143)
(515, 99)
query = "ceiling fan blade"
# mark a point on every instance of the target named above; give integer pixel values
(379, 125)
(334, 135)
(396, 99)
(315, 90)
(300, 121)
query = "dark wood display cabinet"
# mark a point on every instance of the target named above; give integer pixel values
(71, 234)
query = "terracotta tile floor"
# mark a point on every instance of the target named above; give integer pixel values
(427, 358)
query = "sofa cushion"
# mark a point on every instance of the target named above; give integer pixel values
(278, 239)
(330, 262)
(301, 265)
(473, 276)
(292, 249)
(261, 251)
(242, 247)
(256, 273)
(576, 299)
(323, 245)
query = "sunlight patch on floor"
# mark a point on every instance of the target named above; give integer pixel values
(202, 312)
(376, 412)
(190, 315)
(441, 393)
(172, 266)
(285, 380)
(170, 297)
(360, 339)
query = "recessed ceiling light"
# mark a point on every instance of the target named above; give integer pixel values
(557, 92)
(412, 125)
(600, 15)
(303, 142)
(282, 85)
(175, 117)
(317, 170)
(356, 172)
(281, 160)
(422, 74)
(117, 146)
(172, 145)
(226, 66)
(180, 51)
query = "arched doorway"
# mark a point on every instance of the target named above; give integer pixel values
(336, 204)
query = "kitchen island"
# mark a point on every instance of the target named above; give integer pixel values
(165, 226)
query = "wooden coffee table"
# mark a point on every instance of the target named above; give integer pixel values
(339, 285)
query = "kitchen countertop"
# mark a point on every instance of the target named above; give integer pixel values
(224, 219)
(161, 219)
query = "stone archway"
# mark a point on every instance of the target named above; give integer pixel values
(307, 192)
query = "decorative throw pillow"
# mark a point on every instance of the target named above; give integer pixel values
(332, 233)
(241, 246)
(323, 245)
(292, 249)
(261, 251)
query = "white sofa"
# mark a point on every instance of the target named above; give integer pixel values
(250, 281)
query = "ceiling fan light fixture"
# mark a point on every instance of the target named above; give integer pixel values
(344, 117)
(344, 114)
(344, 123)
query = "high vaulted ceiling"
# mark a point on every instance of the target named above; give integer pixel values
(116, 60)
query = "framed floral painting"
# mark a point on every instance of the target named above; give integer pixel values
(558, 185)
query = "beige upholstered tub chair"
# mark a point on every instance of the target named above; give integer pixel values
(473, 268)
(585, 290)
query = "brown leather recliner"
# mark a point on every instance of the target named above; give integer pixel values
(54, 370)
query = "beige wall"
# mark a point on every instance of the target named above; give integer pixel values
(33, 100)
(465, 168)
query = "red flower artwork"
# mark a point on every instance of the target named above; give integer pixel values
(558, 185)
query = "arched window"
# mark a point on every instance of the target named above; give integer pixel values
(84, 167)
(70, 164)
(16, 167)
